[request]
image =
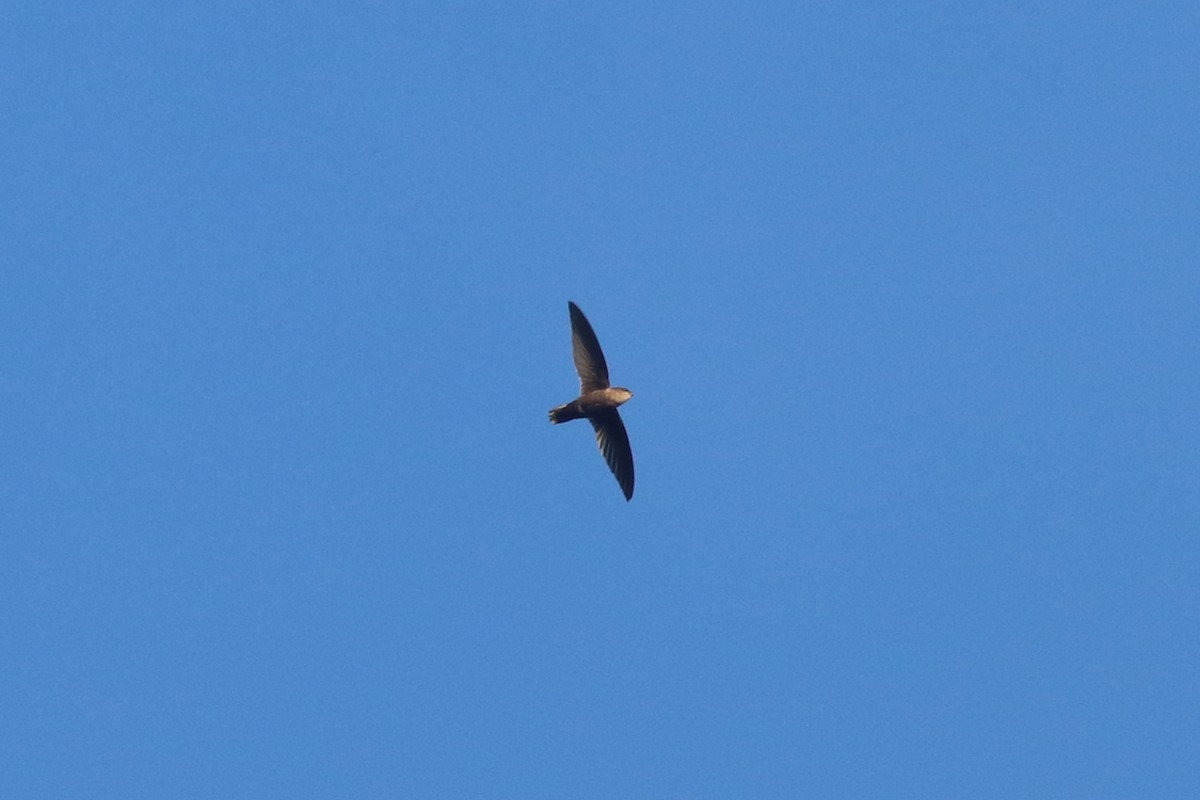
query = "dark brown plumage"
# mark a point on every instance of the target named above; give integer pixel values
(597, 401)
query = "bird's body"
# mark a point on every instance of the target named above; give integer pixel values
(598, 401)
(587, 405)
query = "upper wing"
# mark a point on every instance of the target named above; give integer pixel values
(589, 359)
(614, 445)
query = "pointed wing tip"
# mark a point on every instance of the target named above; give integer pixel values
(614, 446)
(586, 352)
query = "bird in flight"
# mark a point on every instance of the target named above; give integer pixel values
(597, 401)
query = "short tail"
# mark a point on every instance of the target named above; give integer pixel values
(563, 414)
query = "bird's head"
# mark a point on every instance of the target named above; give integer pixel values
(621, 394)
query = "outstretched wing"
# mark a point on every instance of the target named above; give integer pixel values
(614, 446)
(589, 359)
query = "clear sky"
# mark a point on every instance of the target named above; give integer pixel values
(909, 298)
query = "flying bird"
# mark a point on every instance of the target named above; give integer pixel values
(597, 401)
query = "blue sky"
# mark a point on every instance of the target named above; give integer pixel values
(907, 295)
